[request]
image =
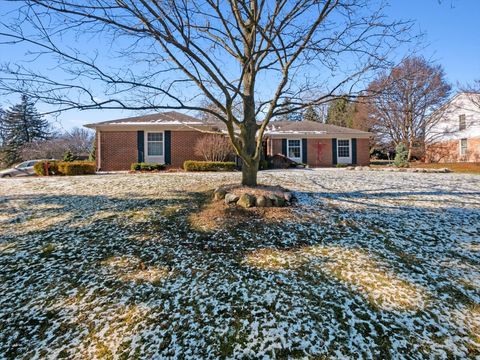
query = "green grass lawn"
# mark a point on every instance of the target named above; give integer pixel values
(364, 265)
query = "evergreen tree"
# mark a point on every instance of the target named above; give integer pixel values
(2, 129)
(21, 125)
(311, 114)
(341, 112)
(68, 156)
(291, 115)
(92, 156)
(401, 155)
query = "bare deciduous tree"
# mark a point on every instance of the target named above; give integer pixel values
(79, 141)
(271, 57)
(214, 148)
(402, 101)
(473, 92)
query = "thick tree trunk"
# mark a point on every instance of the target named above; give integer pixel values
(249, 174)
(410, 149)
(249, 142)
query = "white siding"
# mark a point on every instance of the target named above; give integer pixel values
(447, 126)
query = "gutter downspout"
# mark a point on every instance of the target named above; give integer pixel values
(98, 155)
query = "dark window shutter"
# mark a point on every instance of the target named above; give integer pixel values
(304, 151)
(168, 147)
(334, 151)
(284, 147)
(141, 146)
(354, 151)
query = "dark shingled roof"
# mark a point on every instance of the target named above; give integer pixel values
(309, 126)
(273, 128)
(158, 118)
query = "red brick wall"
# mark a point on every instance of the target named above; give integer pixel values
(183, 147)
(319, 151)
(118, 150)
(449, 151)
(363, 152)
(274, 146)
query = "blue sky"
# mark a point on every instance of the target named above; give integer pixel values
(452, 33)
(452, 39)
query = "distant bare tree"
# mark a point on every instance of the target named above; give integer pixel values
(179, 51)
(79, 140)
(402, 101)
(473, 92)
(53, 148)
(214, 148)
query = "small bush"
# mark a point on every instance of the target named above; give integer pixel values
(191, 165)
(39, 168)
(213, 147)
(341, 165)
(401, 155)
(147, 167)
(76, 168)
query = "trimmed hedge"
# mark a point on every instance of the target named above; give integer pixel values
(39, 167)
(147, 167)
(77, 168)
(65, 168)
(191, 165)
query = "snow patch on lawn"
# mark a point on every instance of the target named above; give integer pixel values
(370, 265)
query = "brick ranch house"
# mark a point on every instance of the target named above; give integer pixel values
(170, 138)
(455, 135)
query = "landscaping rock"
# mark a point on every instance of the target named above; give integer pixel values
(358, 168)
(268, 202)
(219, 194)
(261, 201)
(246, 201)
(231, 198)
(288, 196)
(273, 199)
(280, 201)
(277, 200)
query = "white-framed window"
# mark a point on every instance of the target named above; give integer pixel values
(462, 123)
(463, 147)
(155, 144)
(294, 149)
(343, 148)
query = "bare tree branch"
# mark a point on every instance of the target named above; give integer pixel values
(175, 54)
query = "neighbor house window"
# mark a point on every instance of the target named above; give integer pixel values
(462, 124)
(294, 149)
(155, 144)
(343, 148)
(463, 147)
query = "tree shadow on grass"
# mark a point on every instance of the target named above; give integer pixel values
(179, 267)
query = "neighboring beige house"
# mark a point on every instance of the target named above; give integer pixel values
(455, 133)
